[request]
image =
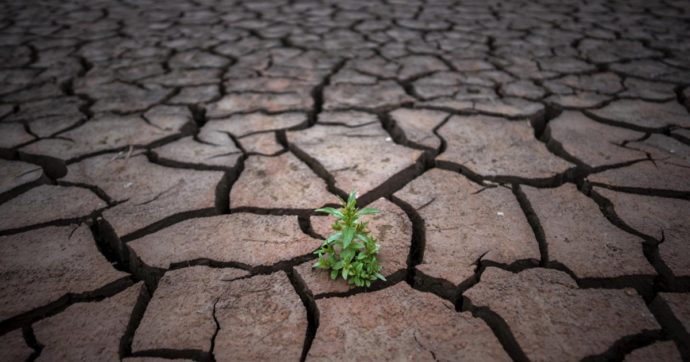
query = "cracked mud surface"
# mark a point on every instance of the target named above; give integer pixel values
(160, 163)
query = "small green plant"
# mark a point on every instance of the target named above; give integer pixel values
(351, 250)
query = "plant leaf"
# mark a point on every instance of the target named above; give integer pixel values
(367, 211)
(331, 211)
(332, 238)
(352, 199)
(348, 234)
(347, 255)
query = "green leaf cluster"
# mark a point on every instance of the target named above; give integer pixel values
(351, 250)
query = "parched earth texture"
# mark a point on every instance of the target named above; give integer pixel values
(160, 162)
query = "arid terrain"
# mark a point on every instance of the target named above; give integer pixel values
(161, 161)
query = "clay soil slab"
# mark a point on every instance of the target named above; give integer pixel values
(552, 319)
(147, 192)
(418, 125)
(188, 152)
(108, 132)
(14, 348)
(47, 203)
(41, 266)
(492, 146)
(180, 313)
(17, 173)
(400, 323)
(360, 159)
(463, 225)
(281, 182)
(343, 96)
(579, 236)
(593, 143)
(644, 114)
(248, 239)
(88, 331)
(662, 218)
(257, 318)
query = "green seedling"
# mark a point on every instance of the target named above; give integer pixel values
(351, 250)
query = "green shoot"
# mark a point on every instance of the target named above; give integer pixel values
(351, 250)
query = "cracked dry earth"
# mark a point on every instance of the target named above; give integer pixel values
(160, 162)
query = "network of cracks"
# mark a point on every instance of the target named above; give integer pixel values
(161, 164)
